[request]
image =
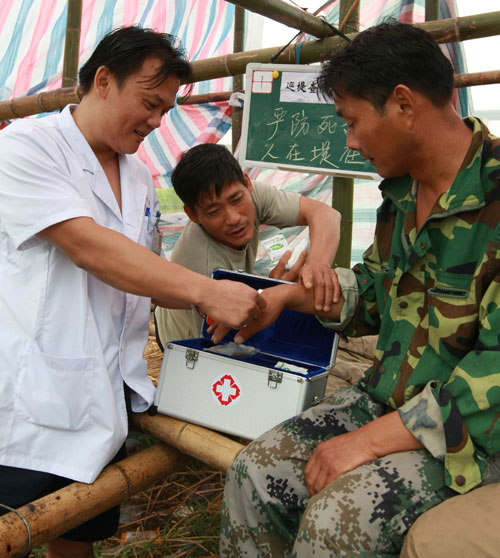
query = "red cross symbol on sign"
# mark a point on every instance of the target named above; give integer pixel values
(226, 389)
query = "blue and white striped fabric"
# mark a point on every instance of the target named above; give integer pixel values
(32, 50)
(31, 58)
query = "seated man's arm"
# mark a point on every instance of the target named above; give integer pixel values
(343, 453)
(125, 265)
(293, 296)
(324, 232)
(336, 456)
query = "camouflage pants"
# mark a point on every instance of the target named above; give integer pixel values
(267, 511)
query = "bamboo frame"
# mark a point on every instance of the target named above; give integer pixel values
(60, 511)
(58, 98)
(287, 15)
(443, 31)
(448, 30)
(67, 508)
(72, 44)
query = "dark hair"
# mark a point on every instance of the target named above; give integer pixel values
(386, 55)
(124, 50)
(202, 169)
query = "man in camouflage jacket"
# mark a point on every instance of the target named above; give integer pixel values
(348, 478)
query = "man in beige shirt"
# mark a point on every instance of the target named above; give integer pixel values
(225, 210)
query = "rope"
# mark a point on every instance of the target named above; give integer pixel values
(297, 52)
(283, 48)
(19, 514)
(335, 32)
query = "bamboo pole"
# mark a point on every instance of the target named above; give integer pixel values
(288, 15)
(60, 511)
(42, 102)
(343, 187)
(59, 98)
(443, 31)
(431, 10)
(238, 84)
(72, 44)
(478, 78)
(208, 446)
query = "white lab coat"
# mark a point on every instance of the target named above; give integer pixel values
(67, 340)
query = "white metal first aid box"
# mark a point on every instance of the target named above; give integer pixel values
(248, 394)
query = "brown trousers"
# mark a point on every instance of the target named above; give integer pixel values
(464, 526)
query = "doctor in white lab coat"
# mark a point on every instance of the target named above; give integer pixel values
(77, 274)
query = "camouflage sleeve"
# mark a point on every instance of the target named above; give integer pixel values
(462, 414)
(360, 314)
(369, 274)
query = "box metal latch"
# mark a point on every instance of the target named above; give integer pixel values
(191, 358)
(274, 377)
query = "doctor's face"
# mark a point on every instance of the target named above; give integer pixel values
(229, 217)
(135, 108)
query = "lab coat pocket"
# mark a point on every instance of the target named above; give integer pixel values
(53, 391)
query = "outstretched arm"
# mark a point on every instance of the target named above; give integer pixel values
(118, 261)
(293, 296)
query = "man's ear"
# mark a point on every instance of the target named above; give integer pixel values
(248, 182)
(404, 99)
(191, 214)
(102, 81)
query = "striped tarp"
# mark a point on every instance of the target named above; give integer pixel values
(31, 56)
(32, 48)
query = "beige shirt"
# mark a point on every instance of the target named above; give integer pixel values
(200, 252)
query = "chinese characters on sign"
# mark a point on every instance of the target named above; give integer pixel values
(319, 152)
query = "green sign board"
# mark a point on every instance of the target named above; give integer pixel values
(287, 125)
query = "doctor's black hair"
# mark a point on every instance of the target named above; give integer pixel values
(124, 50)
(204, 169)
(386, 55)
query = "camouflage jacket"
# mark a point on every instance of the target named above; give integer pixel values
(433, 296)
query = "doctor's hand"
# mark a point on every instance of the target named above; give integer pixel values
(232, 304)
(324, 282)
(335, 457)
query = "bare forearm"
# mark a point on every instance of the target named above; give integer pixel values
(340, 454)
(387, 434)
(324, 230)
(297, 297)
(124, 264)
(118, 261)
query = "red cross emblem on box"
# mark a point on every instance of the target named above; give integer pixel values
(226, 390)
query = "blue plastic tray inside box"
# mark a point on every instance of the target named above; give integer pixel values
(294, 337)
